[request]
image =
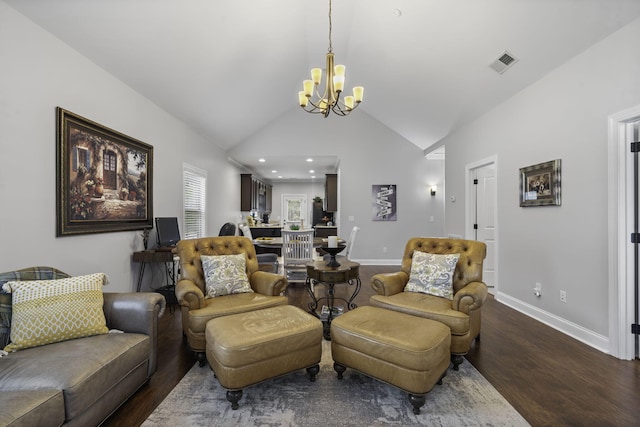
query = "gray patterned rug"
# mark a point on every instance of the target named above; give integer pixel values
(464, 399)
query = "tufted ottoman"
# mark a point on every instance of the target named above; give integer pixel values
(409, 352)
(247, 348)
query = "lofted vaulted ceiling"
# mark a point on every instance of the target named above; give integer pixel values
(228, 68)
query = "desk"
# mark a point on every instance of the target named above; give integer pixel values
(153, 256)
(318, 272)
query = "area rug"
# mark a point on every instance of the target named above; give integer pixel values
(465, 398)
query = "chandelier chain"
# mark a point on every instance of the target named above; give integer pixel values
(330, 27)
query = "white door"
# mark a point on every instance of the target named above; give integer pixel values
(294, 210)
(482, 218)
(623, 129)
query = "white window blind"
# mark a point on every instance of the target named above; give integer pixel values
(194, 201)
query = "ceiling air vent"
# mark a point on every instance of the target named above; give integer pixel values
(504, 62)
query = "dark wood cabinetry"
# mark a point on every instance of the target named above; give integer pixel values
(254, 194)
(331, 192)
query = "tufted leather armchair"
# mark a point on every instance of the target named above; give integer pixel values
(190, 289)
(462, 315)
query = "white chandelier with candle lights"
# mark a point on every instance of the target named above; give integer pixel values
(311, 100)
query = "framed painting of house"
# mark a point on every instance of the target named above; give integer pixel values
(104, 179)
(540, 185)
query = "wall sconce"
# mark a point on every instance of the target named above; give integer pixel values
(433, 190)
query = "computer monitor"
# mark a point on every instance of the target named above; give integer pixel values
(167, 231)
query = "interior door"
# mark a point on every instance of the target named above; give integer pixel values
(485, 218)
(294, 210)
(633, 136)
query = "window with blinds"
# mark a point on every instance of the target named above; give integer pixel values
(194, 201)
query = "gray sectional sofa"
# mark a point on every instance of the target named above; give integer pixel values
(80, 382)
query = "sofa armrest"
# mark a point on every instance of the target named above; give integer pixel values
(389, 283)
(136, 312)
(189, 295)
(471, 297)
(266, 283)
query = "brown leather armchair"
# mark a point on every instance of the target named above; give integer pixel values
(462, 315)
(190, 290)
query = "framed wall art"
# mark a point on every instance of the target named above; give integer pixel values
(384, 202)
(541, 184)
(104, 179)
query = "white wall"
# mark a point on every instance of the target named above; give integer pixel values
(38, 73)
(563, 116)
(369, 154)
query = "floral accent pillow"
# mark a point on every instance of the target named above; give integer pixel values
(432, 274)
(225, 275)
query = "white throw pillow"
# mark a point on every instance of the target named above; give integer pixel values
(432, 274)
(48, 311)
(225, 275)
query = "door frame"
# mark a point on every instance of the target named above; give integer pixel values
(470, 206)
(620, 227)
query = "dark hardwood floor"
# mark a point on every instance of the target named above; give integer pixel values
(550, 378)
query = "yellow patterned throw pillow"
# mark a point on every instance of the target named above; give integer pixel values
(48, 311)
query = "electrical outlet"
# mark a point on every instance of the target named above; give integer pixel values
(563, 296)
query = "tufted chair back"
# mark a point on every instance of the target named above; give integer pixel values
(190, 251)
(469, 267)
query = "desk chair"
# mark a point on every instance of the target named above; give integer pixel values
(228, 229)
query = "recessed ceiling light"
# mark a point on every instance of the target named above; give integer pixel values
(312, 171)
(274, 171)
(261, 160)
(313, 176)
(309, 159)
(279, 176)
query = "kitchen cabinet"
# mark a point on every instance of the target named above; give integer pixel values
(255, 194)
(331, 192)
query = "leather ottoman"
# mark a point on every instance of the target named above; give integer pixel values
(408, 352)
(247, 348)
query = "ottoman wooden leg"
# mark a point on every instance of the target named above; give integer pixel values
(313, 371)
(417, 400)
(456, 359)
(339, 369)
(201, 357)
(234, 396)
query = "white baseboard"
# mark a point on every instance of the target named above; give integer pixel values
(586, 336)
